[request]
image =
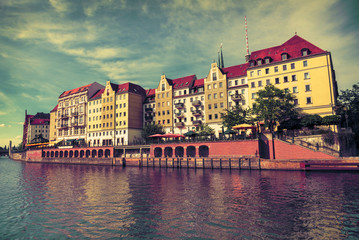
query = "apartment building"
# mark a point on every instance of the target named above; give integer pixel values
(53, 121)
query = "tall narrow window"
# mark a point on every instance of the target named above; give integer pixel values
(214, 76)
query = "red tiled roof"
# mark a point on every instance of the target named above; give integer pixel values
(150, 92)
(292, 47)
(97, 94)
(76, 90)
(199, 82)
(40, 122)
(130, 87)
(55, 108)
(236, 71)
(183, 82)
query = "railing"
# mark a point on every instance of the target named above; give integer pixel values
(75, 113)
(196, 112)
(197, 122)
(196, 103)
(180, 115)
(64, 115)
(180, 125)
(179, 105)
(237, 97)
(148, 109)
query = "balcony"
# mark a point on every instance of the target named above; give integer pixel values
(197, 123)
(237, 97)
(180, 115)
(148, 117)
(65, 125)
(196, 103)
(74, 124)
(179, 105)
(148, 110)
(197, 112)
(75, 113)
(180, 125)
(65, 115)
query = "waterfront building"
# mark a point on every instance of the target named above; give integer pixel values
(299, 67)
(115, 115)
(38, 128)
(149, 107)
(25, 129)
(72, 112)
(53, 121)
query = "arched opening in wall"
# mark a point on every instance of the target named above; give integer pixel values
(66, 154)
(203, 151)
(71, 154)
(82, 153)
(61, 154)
(52, 154)
(158, 152)
(43, 154)
(76, 153)
(107, 153)
(56, 154)
(191, 151)
(94, 153)
(47, 154)
(88, 153)
(179, 151)
(168, 152)
(100, 153)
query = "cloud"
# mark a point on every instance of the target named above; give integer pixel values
(99, 53)
(93, 6)
(59, 5)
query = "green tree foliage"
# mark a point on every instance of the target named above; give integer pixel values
(151, 129)
(273, 106)
(205, 130)
(235, 116)
(331, 120)
(310, 121)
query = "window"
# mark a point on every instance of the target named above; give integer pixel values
(209, 87)
(253, 84)
(267, 60)
(259, 61)
(295, 101)
(259, 83)
(277, 81)
(220, 84)
(216, 116)
(252, 73)
(306, 75)
(304, 52)
(254, 95)
(286, 90)
(210, 116)
(215, 96)
(243, 81)
(295, 89)
(221, 104)
(236, 82)
(215, 106)
(209, 97)
(285, 79)
(307, 88)
(214, 76)
(309, 100)
(209, 106)
(305, 63)
(229, 83)
(294, 78)
(292, 66)
(243, 91)
(214, 85)
(267, 70)
(221, 95)
(184, 92)
(267, 82)
(275, 69)
(284, 56)
(259, 72)
(284, 67)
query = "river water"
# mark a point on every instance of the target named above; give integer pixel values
(44, 201)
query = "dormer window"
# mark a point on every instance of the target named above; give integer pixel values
(305, 52)
(267, 60)
(259, 62)
(252, 63)
(284, 56)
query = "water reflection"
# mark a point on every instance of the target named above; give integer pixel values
(73, 201)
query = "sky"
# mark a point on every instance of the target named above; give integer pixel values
(49, 46)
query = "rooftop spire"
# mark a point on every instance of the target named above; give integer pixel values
(222, 63)
(247, 47)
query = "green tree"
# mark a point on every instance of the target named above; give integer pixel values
(331, 120)
(235, 116)
(205, 130)
(151, 129)
(273, 106)
(311, 120)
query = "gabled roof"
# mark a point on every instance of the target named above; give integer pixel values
(198, 82)
(130, 87)
(150, 92)
(75, 90)
(97, 95)
(292, 47)
(55, 108)
(184, 82)
(40, 122)
(236, 71)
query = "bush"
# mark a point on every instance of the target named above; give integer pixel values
(329, 138)
(311, 120)
(331, 120)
